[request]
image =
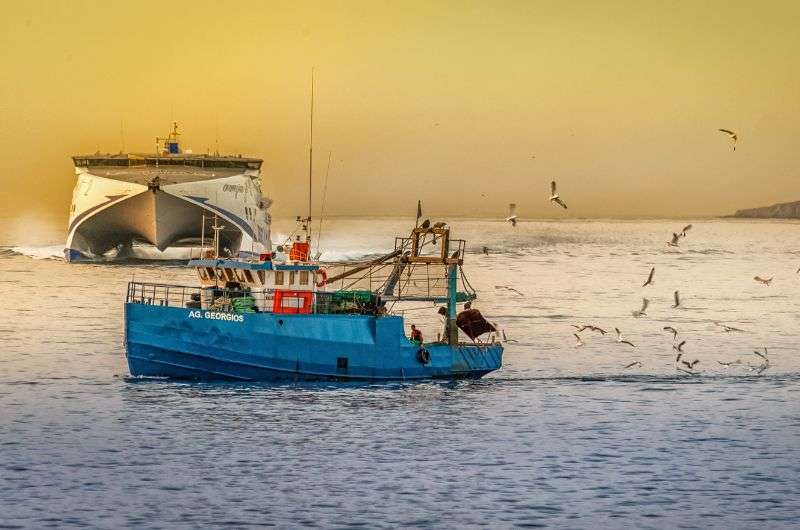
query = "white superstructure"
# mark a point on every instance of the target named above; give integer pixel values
(126, 202)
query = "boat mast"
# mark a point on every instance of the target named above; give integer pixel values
(311, 145)
(307, 223)
(452, 304)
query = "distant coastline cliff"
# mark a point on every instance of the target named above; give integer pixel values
(784, 210)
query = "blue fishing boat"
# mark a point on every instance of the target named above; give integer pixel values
(285, 316)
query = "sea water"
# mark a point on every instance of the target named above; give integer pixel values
(561, 436)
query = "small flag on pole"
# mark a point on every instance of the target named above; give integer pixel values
(419, 211)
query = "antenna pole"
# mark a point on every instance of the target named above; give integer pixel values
(311, 146)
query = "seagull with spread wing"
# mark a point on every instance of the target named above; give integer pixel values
(685, 229)
(621, 340)
(726, 328)
(554, 197)
(732, 135)
(674, 241)
(671, 330)
(642, 312)
(763, 281)
(650, 278)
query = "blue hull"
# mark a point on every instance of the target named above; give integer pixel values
(198, 344)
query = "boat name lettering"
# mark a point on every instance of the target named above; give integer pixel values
(236, 189)
(233, 317)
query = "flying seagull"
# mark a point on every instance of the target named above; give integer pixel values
(677, 297)
(727, 329)
(554, 198)
(650, 278)
(671, 330)
(580, 329)
(729, 364)
(690, 365)
(685, 229)
(641, 312)
(512, 214)
(578, 342)
(732, 135)
(679, 348)
(599, 330)
(674, 241)
(621, 340)
(507, 288)
(762, 355)
(763, 281)
(634, 363)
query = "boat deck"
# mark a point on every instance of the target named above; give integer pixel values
(171, 169)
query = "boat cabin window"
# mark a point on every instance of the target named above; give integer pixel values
(278, 277)
(261, 277)
(239, 273)
(291, 277)
(303, 277)
(229, 275)
(209, 273)
(220, 274)
(202, 273)
(249, 277)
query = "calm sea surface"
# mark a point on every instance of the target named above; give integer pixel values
(561, 436)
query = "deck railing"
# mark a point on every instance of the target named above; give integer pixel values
(244, 300)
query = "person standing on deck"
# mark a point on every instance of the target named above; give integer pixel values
(416, 335)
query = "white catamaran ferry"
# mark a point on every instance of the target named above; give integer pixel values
(150, 205)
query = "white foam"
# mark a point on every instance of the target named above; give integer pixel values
(40, 252)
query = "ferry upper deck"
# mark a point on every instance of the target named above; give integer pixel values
(170, 168)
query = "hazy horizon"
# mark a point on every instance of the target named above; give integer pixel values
(619, 102)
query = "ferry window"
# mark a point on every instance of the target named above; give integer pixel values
(202, 273)
(278, 277)
(261, 277)
(249, 277)
(229, 275)
(220, 274)
(303, 277)
(209, 273)
(291, 277)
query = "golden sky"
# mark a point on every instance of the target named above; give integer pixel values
(619, 101)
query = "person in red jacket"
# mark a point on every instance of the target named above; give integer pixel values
(416, 335)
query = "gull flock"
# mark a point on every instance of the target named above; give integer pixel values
(684, 362)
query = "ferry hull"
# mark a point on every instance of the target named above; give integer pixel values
(111, 215)
(184, 343)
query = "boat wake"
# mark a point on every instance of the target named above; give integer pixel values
(37, 252)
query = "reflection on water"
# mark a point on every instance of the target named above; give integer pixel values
(560, 436)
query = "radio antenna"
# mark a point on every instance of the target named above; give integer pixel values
(311, 146)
